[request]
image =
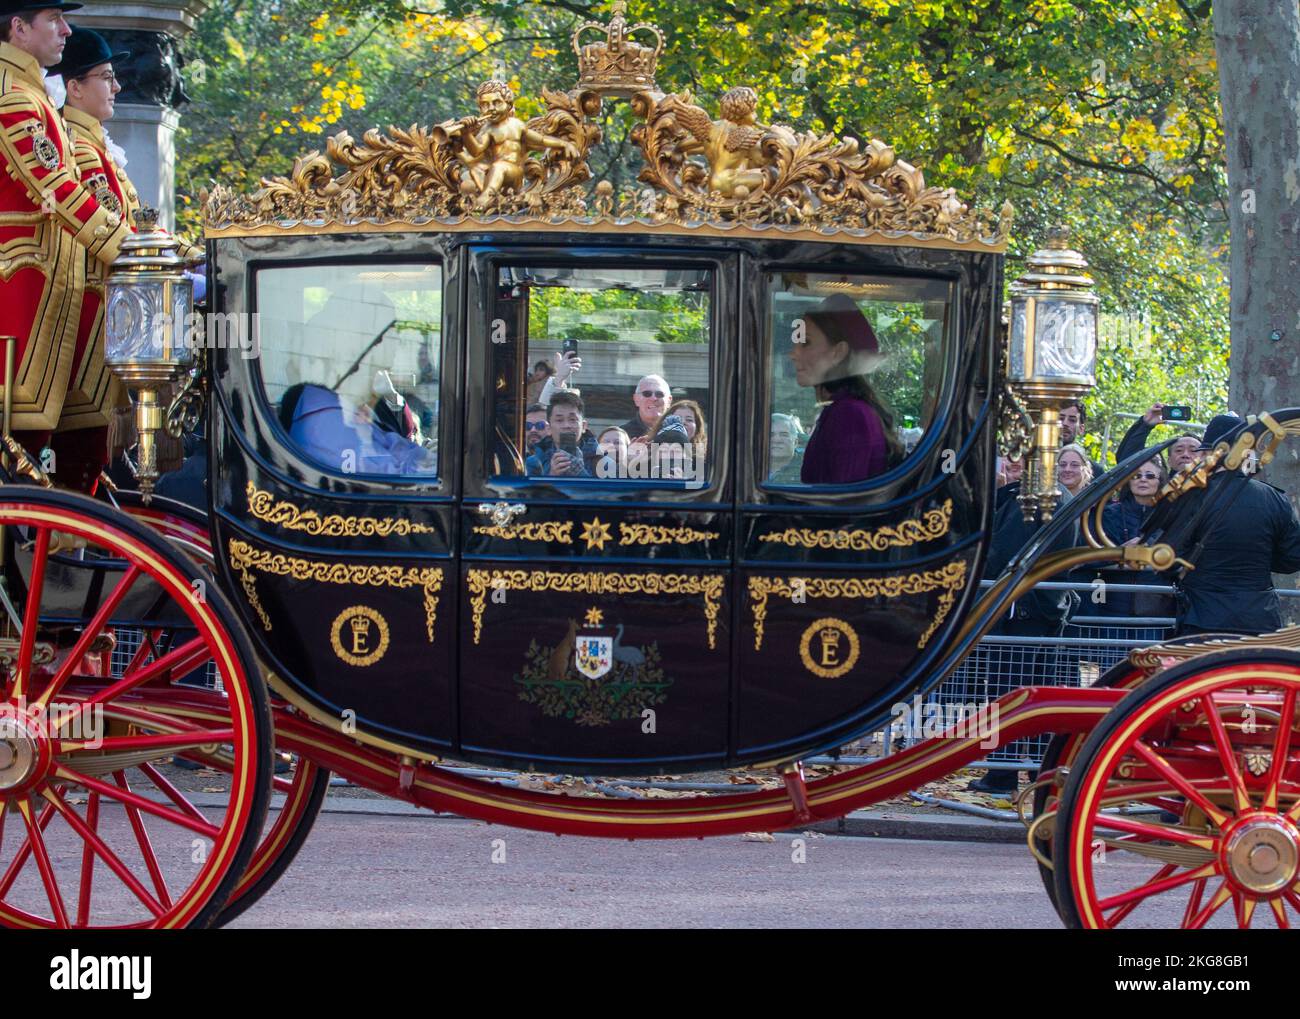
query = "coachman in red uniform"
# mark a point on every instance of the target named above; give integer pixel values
(50, 221)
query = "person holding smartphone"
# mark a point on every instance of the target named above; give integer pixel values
(570, 450)
(1181, 453)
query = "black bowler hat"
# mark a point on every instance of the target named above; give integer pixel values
(1218, 427)
(11, 7)
(85, 49)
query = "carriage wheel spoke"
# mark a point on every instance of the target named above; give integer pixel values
(182, 660)
(1281, 748)
(1118, 917)
(1227, 756)
(1279, 911)
(171, 792)
(1245, 909)
(142, 652)
(1193, 902)
(1180, 782)
(156, 741)
(31, 616)
(145, 844)
(37, 842)
(1203, 917)
(1162, 832)
(104, 853)
(91, 631)
(1155, 887)
(185, 820)
(87, 863)
(24, 851)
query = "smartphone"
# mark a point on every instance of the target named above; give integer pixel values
(569, 346)
(1176, 412)
(568, 442)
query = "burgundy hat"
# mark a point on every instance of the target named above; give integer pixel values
(842, 322)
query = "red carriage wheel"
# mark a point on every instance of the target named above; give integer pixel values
(1183, 806)
(93, 832)
(1060, 754)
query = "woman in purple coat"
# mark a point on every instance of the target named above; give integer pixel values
(854, 438)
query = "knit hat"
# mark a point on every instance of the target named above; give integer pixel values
(1218, 429)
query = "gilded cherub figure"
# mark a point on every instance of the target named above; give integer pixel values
(495, 145)
(731, 145)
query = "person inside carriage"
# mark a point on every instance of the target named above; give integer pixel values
(854, 438)
(345, 437)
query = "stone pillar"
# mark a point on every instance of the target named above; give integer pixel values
(148, 107)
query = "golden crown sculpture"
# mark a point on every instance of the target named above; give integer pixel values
(619, 66)
(700, 172)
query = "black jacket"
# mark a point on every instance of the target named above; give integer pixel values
(1134, 439)
(1041, 613)
(1231, 587)
(1122, 520)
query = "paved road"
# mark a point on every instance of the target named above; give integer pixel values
(405, 871)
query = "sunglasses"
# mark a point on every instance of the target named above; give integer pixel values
(1147, 477)
(653, 394)
(536, 426)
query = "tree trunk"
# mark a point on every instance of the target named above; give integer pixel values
(1258, 48)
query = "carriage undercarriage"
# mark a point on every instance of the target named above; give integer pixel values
(1183, 765)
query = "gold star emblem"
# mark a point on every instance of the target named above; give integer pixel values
(595, 534)
(594, 616)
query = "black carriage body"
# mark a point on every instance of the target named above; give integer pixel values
(721, 601)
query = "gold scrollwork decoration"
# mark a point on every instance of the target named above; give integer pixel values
(651, 534)
(482, 581)
(263, 506)
(932, 525)
(949, 579)
(244, 558)
(560, 532)
(722, 173)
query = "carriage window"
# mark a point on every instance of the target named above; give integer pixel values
(855, 375)
(350, 360)
(601, 374)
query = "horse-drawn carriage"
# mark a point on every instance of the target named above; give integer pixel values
(388, 578)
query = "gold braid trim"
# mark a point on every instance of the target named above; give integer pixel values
(263, 506)
(710, 587)
(933, 524)
(244, 557)
(950, 579)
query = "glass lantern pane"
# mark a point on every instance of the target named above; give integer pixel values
(1066, 340)
(1016, 362)
(133, 322)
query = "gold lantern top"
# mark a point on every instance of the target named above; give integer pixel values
(703, 173)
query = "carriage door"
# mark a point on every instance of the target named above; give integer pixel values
(596, 534)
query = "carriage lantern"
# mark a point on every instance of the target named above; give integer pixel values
(150, 304)
(1052, 356)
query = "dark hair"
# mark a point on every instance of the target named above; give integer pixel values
(858, 386)
(533, 408)
(545, 366)
(1083, 408)
(566, 397)
(1126, 494)
(289, 403)
(6, 24)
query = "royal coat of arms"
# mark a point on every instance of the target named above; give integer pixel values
(594, 655)
(593, 678)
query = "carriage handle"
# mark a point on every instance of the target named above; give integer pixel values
(502, 513)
